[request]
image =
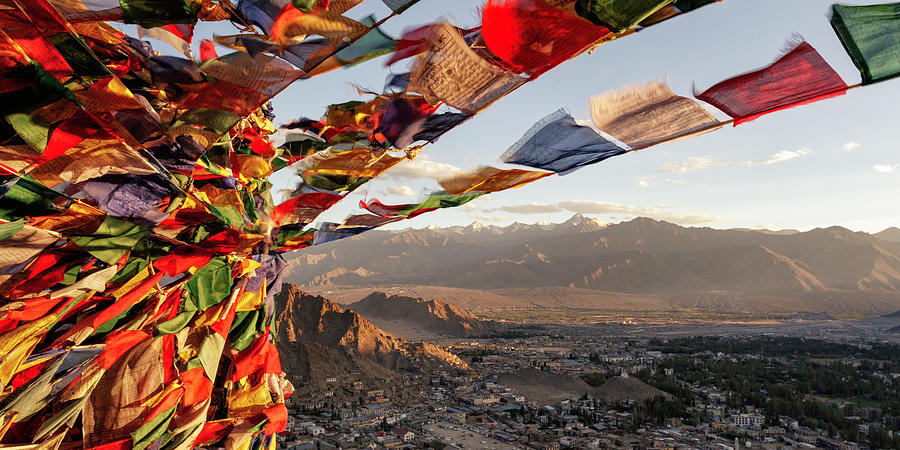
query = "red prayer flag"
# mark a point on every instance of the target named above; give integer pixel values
(212, 432)
(533, 37)
(183, 258)
(305, 208)
(117, 344)
(207, 50)
(800, 76)
(277, 418)
(197, 387)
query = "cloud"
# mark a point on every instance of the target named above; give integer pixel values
(421, 168)
(850, 146)
(780, 157)
(661, 212)
(676, 181)
(885, 168)
(489, 219)
(527, 208)
(645, 182)
(595, 207)
(695, 163)
(404, 191)
(691, 164)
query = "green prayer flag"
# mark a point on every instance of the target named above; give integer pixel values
(372, 45)
(209, 285)
(871, 36)
(684, 6)
(67, 413)
(245, 329)
(157, 13)
(175, 324)
(151, 431)
(211, 119)
(10, 229)
(304, 5)
(618, 15)
(210, 353)
(34, 396)
(27, 197)
(112, 240)
(332, 182)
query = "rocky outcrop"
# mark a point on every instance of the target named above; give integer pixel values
(305, 318)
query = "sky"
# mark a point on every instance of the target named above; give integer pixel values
(834, 162)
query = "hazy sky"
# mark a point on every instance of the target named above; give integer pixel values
(833, 162)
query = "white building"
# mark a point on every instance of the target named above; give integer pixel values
(748, 420)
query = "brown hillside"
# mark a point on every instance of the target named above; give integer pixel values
(430, 316)
(309, 318)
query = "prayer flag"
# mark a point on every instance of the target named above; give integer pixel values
(176, 35)
(330, 231)
(533, 37)
(398, 6)
(293, 25)
(438, 124)
(618, 15)
(490, 179)
(560, 144)
(646, 114)
(871, 36)
(453, 73)
(800, 76)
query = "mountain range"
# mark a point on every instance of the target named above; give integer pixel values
(642, 264)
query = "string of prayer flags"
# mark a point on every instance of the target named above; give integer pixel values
(453, 73)
(618, 15)
(871, 36)
(490, 179)
(533, 37)
(799, 77)
(558, 143)
(643, 115)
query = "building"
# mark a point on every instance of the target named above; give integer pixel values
(748, 420)
(484, 400)
(403, 433)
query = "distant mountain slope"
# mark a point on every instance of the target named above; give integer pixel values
(658, 264)
(306, 318)
(411, 313)
(891, 234)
